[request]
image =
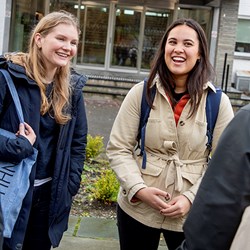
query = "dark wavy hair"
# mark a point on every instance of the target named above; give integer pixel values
(198, 76)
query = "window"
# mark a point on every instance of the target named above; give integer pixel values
(202, 15)
(25, 15)
(242, 36)
(156, 23)
(126, 37)
(94, 28)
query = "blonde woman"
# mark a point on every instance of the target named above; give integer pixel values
(55, 124)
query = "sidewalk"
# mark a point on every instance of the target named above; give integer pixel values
(90, 233)
(101, 112)
(93, 234)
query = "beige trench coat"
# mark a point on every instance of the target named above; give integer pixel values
(241, 239)
(176, 155)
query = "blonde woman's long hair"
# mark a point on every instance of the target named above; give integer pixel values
(35, 67)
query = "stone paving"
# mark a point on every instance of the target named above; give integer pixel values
(93, 234)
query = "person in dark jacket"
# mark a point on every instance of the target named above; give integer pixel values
(224, 193)
(51, 97)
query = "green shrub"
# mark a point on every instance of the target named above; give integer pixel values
(99, 181)
(106, 187)
(95, 147)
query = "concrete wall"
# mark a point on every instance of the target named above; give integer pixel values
(226, 37)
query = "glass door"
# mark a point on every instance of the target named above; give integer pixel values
(70, 6)
(25, 15)
(94, 27)
(203, 16)
(126, 37)
(156, 23)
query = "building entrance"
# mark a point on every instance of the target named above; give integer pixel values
(114, 36)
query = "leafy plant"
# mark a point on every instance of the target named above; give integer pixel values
(95, 147)
(99, 186)
(106, 187)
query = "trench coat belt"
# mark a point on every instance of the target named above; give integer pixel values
(175, 173)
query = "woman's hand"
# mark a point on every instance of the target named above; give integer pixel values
(178, 207)
(154, 197)
(26, 131)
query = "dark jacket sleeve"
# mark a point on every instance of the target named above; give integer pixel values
(224, 192)
(79, 139)
(16, 149)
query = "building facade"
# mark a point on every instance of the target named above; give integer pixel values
(122, 35)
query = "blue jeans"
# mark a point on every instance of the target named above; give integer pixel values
(36, 236)
(133, 235)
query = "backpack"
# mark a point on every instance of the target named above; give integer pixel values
(212, 109)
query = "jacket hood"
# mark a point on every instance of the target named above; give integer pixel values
(14, 69)
(78, 80)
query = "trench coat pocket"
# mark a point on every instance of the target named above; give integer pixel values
(196, 140)
(151, 173)
(190, 175)
(154, 166)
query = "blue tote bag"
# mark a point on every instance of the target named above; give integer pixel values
(14, 179)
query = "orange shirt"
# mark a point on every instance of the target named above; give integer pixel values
(179, 107)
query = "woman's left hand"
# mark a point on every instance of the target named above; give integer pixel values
(26, 130)
(180, 206)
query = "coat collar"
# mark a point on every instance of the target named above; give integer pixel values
(206, 85)
(210, 85)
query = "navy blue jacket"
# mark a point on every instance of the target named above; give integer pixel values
(70, 153)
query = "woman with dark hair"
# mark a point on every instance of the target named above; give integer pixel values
(175, 141)
(55, 124)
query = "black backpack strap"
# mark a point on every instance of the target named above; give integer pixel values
(212, 110)
(145, 110)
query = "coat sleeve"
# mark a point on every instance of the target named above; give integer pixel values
(224, 192)
(16, 149)
(79, 140)
(241, 239)
(122, 141)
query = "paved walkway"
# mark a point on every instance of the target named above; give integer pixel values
(93, 234)
(101, 112)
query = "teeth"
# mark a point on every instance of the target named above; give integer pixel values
(179, 59)
(61, 54)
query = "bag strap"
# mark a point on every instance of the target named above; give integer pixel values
(13, 94)
(145, 110)
(212, 110)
